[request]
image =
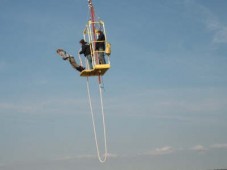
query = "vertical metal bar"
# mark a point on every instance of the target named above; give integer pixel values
(92, 13)
(104, 31)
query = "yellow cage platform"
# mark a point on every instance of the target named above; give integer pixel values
(96, 71)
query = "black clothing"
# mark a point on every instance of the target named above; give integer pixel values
(80, 68)
(85, 50)
(99, 45)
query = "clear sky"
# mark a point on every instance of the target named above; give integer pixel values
(165, 95)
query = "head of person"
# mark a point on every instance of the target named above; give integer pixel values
(82, 42)
(99, 32)
(61, 52)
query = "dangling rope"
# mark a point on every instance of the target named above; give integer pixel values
(102, 160)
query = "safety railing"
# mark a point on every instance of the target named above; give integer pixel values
(90, 36)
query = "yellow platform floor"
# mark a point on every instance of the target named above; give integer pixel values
(96, 71)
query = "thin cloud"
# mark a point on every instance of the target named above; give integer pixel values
(199, 148)
(168, 103)
(221, 35)
(50, 106)
(211, 21)
(111, 155)
(161, 151)
(83, 156)
(89, 156)
(213, 24)
(219, 146)
(15, 107)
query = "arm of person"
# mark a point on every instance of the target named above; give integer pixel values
(83, 49)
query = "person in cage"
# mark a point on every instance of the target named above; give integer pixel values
(85, 49)
(100, 47)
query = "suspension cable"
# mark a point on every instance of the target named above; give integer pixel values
(102, 160)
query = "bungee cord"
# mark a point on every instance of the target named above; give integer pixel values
(104, 158)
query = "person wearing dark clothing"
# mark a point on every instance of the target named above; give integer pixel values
(85, 49)
(100, 47)
(72, 61)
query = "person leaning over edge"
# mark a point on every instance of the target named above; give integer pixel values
(72, 61)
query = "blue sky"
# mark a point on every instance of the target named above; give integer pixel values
(165, 95)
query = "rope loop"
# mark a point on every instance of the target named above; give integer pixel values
(102, 160)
